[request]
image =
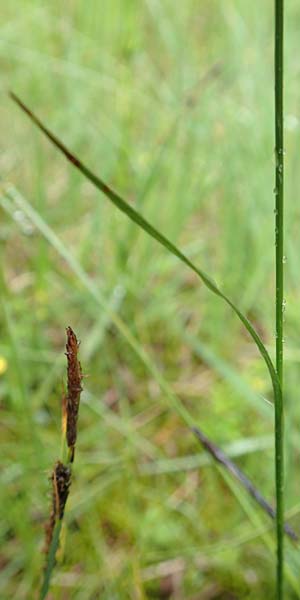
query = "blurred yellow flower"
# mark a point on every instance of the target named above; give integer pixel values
(3, 365)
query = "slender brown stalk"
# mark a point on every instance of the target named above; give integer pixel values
(224, 460)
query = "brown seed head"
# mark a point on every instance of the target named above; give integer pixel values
(73, 386)
(61, 481)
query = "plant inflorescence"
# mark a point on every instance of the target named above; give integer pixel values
(61, 477)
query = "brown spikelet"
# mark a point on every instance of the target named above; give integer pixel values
(74, 388)
(61, 481)
(49, 528)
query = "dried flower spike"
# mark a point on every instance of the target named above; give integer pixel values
(49, 528)
(74, 389)
(61, 481)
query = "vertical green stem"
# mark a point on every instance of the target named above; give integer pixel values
(279, 195)
(50, 560)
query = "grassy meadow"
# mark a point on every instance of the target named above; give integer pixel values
(171, 103)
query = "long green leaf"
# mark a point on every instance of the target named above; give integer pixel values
(132, 214)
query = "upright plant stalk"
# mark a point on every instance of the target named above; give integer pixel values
(279, 231)
(126, 208)
(62, 472)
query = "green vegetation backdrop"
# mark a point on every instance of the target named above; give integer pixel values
(172, 104)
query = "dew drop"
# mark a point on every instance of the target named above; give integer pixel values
(284, 259)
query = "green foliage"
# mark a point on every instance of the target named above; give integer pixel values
(200, 172)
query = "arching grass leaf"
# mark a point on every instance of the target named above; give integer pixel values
(137, 218)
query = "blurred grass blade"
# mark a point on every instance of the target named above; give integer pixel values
(190, 462)
(224, 460)
(255, 518)
(217, 364)
(11, 194)
(132, 214)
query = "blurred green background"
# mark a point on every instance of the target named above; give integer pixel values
(172, 104)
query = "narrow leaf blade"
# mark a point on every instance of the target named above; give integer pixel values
(137, 218)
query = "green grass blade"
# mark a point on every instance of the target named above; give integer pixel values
(132, 214)
(11, 194)
(50, 560)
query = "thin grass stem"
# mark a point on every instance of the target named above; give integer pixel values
(279, 235)
(62, 472)
(51, 560)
